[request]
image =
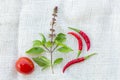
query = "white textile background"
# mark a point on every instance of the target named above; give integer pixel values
(22, 20)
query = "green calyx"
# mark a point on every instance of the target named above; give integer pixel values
(79, 52)
(77, 30)
(87, 57)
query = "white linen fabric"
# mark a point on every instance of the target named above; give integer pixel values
(22, 20)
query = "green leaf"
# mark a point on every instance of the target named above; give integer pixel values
(42, 61)
(58, 61)
(45, 67)
(38, 61)
(45, 59)
(65, 49)
(48, 44)
(37, 43)
(35, 50)
(59, 43)
(60, 37)
(43, 38)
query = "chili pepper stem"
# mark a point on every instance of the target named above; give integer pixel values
(79, 52)
(87, 57)
(77, 30)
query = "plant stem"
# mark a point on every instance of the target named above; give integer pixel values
(52, 35)
(46, 48)
(52, 58)
(54, 48)
(52, 63)
(51, 53)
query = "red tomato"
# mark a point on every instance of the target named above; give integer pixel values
(24, 65)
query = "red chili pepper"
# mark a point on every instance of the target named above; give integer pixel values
(80, 44)
(84, 35)
(78, 60)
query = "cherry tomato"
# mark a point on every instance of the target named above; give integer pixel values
(24, 65)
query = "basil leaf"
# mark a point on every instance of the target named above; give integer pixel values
(37, 43)
(45, 59)
(65, 49)
(58, 61)
(60, 37)
(42, 61)
(35, 50)
(48, 44)
(43, 38)
(38, 61)
(45, 67)
(59, 43)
